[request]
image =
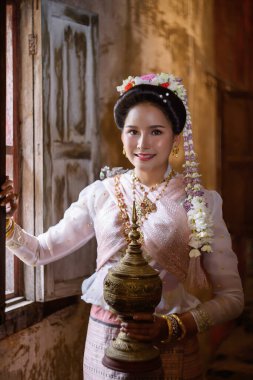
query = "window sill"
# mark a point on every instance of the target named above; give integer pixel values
(21, 314)
(16, 303)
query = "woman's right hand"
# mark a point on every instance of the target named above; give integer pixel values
(8, 198)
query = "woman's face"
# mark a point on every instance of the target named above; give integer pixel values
(148, 138)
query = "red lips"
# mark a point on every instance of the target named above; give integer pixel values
(144, 156)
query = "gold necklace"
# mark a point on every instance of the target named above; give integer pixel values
(143, 207)
(126, 225)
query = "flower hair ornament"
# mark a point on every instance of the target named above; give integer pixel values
(198, 214)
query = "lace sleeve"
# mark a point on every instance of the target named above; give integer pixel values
(73, 231)
(221, 267)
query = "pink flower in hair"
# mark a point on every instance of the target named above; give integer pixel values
(148, 77)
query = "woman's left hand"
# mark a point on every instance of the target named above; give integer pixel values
(145, 327)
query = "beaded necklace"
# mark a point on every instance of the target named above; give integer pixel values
(144, 207)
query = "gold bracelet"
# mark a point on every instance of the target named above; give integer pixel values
(169, 325)
(181, 325)
(10, 229)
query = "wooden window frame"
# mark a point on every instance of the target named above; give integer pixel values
(2, 152)
(14, 150)
(16, 313)
(19, 313)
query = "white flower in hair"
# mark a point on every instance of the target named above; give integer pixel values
(138, 81)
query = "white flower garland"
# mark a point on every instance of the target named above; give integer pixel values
(162, 79)
(198, 214)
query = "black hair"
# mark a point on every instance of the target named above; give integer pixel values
(163, 98)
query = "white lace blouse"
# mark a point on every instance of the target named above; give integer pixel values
(166, 234)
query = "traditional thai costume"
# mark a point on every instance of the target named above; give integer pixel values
(184, 238)
(165, 245)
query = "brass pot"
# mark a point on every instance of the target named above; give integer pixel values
(132, 286)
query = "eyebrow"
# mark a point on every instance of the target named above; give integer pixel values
(150, 126)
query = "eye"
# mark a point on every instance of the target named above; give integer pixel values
(132, 132)
(156, 132)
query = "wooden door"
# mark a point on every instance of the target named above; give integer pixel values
(237, 161)
(237, 174)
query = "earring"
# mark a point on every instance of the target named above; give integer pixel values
(124, 152)
(175, 151)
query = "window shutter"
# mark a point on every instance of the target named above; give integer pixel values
(67, 142)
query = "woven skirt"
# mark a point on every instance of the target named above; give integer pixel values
(179, 362)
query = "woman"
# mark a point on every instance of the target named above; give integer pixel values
(182, 231)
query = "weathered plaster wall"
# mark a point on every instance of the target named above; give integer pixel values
(175, 36)
(49, 350)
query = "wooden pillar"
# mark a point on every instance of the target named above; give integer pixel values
(2, 150)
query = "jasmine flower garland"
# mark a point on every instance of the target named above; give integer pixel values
(199, 218)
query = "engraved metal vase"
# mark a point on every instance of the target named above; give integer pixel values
(130, 287)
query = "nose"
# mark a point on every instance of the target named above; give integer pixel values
(143, 142)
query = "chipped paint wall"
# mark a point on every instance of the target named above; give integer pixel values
(49, 350)
(135, 36)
